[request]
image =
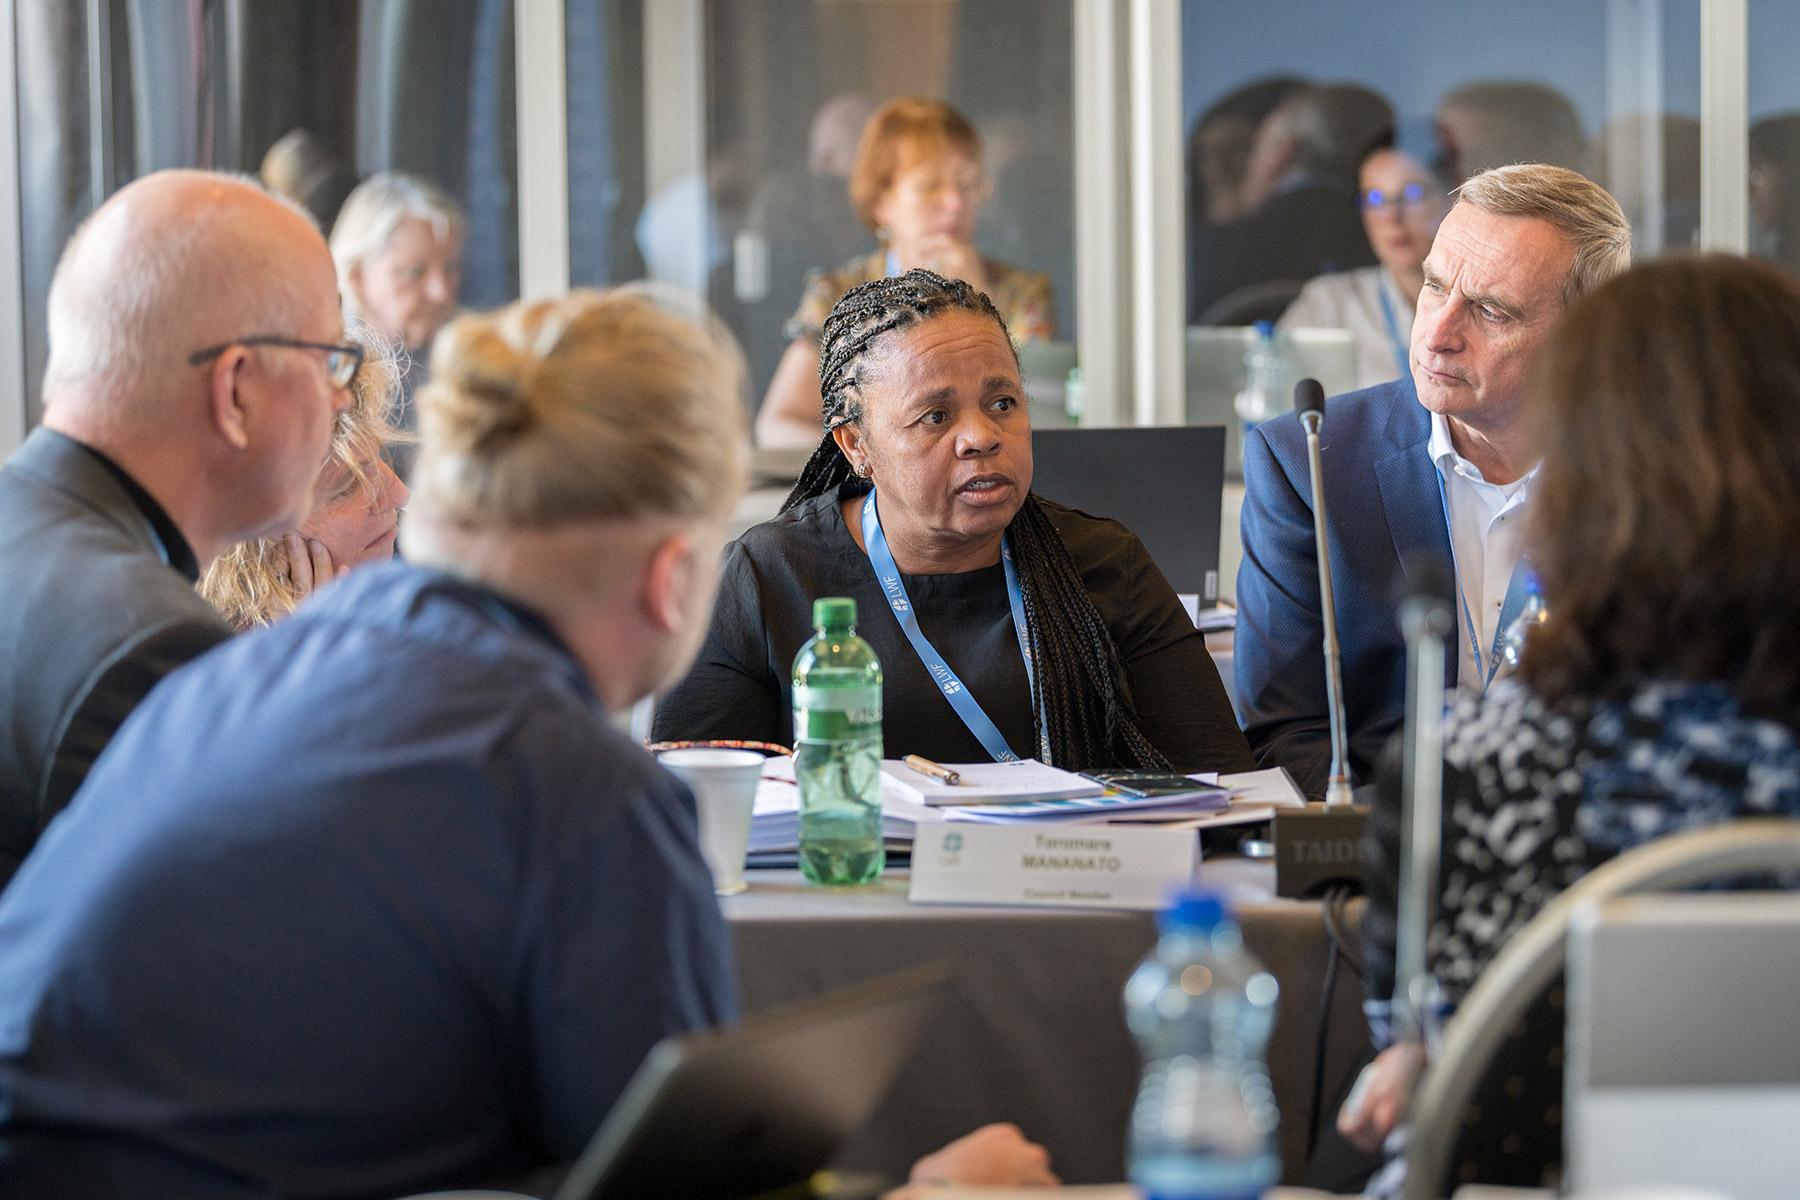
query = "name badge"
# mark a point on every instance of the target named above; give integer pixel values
(1095, 866)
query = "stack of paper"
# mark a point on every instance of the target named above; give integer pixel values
(1026, 791)
(775, 823)
(1097, 810)
(1255, 795)
(989, 783)
(1217, 619)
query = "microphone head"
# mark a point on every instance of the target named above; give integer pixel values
(1309, 397)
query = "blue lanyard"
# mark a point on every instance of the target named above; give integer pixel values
(966, 706)
(893, 264)
(1401, 359)
(1510, 607)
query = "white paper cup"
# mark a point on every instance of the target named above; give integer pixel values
(724, 787)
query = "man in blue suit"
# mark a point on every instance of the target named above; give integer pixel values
(1433, 467)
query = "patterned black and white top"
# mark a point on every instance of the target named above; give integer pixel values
(1535, 797)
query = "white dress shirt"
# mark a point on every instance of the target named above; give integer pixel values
(1487, 530)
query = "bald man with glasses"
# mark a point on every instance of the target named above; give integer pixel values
(197, 363)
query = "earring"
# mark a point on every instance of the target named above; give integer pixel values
(861, 470)
(883, 234)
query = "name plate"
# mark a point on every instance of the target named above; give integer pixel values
(1097, 866)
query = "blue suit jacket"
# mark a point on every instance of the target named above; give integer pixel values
(1383, 509)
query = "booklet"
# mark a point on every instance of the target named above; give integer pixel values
(990, 783)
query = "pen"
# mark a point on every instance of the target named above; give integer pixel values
(925, 766)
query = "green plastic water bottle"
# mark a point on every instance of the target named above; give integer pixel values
(837, 750)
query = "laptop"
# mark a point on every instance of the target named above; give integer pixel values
(1045, 367)
(1165, 484)
(1683, 1051)
(763, 1105)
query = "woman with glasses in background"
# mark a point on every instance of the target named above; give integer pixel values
(1401, 204)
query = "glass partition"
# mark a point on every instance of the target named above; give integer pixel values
(789, 89)
(314, 95)
(604, 42)
(1774, 110)
(1287, 102)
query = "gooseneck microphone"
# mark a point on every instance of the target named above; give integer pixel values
(1320, 847)
(1426, 620)
(1309, 402)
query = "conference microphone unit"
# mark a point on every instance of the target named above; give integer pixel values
(1320, 846)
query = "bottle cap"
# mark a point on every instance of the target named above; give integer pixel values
(1195, 909)
(834, 611)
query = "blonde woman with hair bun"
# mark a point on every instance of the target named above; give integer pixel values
(357, 500)
(583, 455)
(384, 875)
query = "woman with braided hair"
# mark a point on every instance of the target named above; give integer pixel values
(917, 504)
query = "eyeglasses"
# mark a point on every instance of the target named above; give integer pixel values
(341, 362)
(1408, 201)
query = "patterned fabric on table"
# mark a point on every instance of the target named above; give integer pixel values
(1022, 297)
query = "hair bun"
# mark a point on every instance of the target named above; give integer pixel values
(481, 387)
(596, 406)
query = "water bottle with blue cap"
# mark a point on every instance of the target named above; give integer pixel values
(1265, 372)
(1201, 1009)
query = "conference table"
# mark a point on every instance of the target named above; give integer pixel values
(1033, 1030)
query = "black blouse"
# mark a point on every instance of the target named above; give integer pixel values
(741, 687)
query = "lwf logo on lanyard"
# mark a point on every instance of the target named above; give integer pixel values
(896, 593)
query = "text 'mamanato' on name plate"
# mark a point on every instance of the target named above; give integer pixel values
(1094, 866)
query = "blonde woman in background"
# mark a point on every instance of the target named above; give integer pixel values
(398, 244)
(357, 500)
(377, 900)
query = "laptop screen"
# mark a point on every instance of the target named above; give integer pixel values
(1164, 484)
